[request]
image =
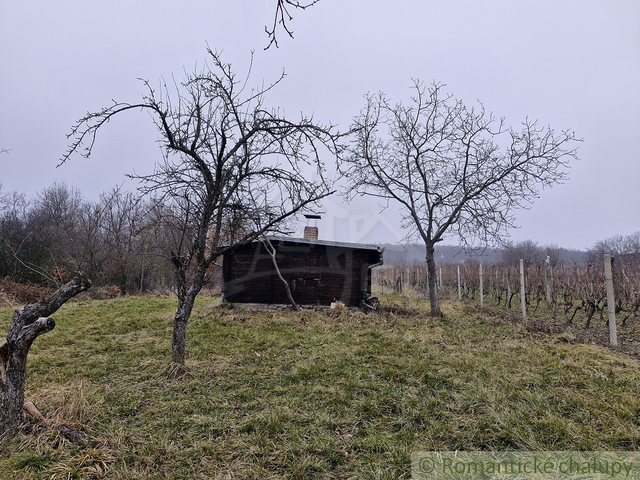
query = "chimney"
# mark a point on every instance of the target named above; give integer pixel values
(311, 231)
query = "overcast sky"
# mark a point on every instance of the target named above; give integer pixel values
(570, 64)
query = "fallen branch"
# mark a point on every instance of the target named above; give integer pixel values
(65, 430)
(272, 252)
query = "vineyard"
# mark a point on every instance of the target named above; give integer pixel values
(564, 294)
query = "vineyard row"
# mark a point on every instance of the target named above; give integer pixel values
(577, 291)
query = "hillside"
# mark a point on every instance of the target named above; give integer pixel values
(308, 395)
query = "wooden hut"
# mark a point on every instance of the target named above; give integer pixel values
(318, 272)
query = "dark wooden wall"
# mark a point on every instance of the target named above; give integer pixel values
(317, 274)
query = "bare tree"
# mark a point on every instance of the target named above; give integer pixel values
(122, 216)
(54, 223)
(232, 169)
(282, 16)
(554, 253)
(115, 241)
(615, 245)
(455, 170)
(13, 215)
(36, 236)
(28, 323)
(527, 250)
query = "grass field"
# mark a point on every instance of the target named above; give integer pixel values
(305, 395)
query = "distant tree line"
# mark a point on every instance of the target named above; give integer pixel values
(534, 254)
(531, 252)
(412, 255)
(118, 240)
(124, 241)
(616, 246)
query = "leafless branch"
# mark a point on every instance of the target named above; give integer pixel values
(282, 17)
(272, 253)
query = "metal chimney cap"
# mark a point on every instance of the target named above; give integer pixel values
(312, 216)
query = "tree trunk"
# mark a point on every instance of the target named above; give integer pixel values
(183, 312)
(13, 372)
(433, 281)
(28, 323)
(272, 252)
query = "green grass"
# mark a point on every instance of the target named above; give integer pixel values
(308, 395)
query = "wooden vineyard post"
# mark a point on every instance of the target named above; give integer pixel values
(522, 292)
(464, 282)
(407, 277)
(547, 279)
(611, 301)
(427, 277)
(459, 285)
(481, 287)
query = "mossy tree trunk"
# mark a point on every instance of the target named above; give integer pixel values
(187, 289)
(28, 323)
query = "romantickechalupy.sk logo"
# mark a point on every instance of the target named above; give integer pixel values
(525, 465)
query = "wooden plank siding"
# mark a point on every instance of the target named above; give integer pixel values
(318, 272)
